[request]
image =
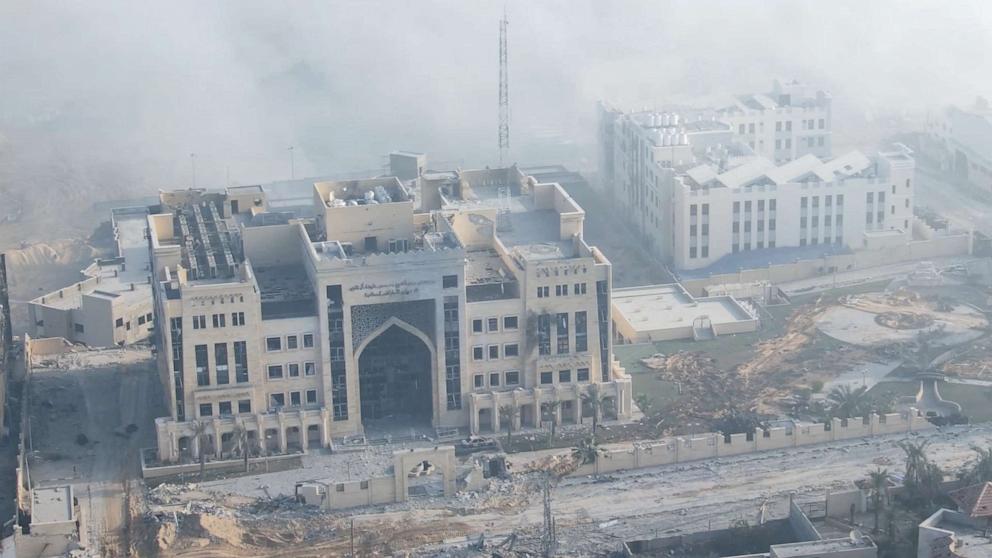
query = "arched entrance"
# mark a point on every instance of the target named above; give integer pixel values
(394, 373)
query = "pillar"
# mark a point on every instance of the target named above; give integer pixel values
(325, 430)
(282, 433)
(538, 414)
(218, 445)
(495, 424)
(473, 416)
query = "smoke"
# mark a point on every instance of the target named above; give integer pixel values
(121, 93)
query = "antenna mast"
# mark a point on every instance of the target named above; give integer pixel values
(504, 93)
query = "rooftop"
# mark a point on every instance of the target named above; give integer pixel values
(815, 548)
(659, 307)
(759, 170)
(948, 529)
(755, 259)
(51, 505)
(123, 276)
(285, 292)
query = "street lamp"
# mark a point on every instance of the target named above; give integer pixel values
(192, 162)
(292, 164)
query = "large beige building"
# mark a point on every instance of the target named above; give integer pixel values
(379, 312)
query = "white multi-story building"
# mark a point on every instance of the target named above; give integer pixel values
(961, 141)
(852, 202)
(790, 121)
(473, 309)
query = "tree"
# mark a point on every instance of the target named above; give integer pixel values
(979, 468)
(513, 412)
(644, 402)
(846, 402)
(242, 442)
(923, 477)
(200, 434)
(594, 400)
(878, 482)
(587, 451)
(735, 421)
(550, 411)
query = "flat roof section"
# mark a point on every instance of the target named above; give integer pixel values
(51, 505)
(655, 309)
(285, 292)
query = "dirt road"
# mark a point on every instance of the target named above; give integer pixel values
(90, 394)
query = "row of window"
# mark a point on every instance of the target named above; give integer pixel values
(565, 376)
(275, 344)
(561, 290)
(218, 320)
(510, 350)
(225, 408)
(221, 365)
(760, 244)
(296, 399)
(291, 370)
(147, 318)
(492, 324)
(497, 379)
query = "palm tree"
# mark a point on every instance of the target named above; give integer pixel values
(550, 411)
(587, 451)
(513, 412)
(979, 468)
(594, 399)
(923, 477)
(200, 434)
(877, 483)
(846, 402)
(242, 443)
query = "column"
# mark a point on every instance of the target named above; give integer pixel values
(325, 430)
(537, 408)
(495, 424)
(282, 433)
(218, 445)
(473, 416)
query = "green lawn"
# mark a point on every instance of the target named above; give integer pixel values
(975, 401)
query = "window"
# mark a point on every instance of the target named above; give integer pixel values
(277, 400)
(224, 409)
(582, 375)
(547, 378)
(199, 322)
(581, 332)
(778, 126)
(148, 317)
(819, 141)
(449, 281)
(78, 328)
(479, 381)
(477, 326)
(823, 123)
(237, 318)
(275, 371)
(337, 354)
(561, 290)
(907, 183)
(218, 320)
(206, 409)
(907, 202)
(292, 342)
(543, 292)
(492, 324)
(294, 399)
(311, 397)
(202, 372)
(244, 405)
(692, 251)
(704, 252)
(141, 319)
(509, 322)
(788, 144)
(493, 352)
(579, 289)
(127, 326)
(294, 370)
(309, 369)
(788, 126)
(511, 350)
(564, 376)
(273, 344)
(477, 353)
(220, 362)
(561, 322)
(513, 378)
(307, 340)
(544, 334)
(240, 362)
(494, 379)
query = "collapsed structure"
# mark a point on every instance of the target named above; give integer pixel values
(374, 312)
(753, 177)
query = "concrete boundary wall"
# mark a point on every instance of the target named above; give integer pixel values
(711, 445)
(937, 247)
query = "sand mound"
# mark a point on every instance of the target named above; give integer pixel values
(59, 252)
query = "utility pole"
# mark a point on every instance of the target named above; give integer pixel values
(549, 539)
(504, 93)
(292, 164)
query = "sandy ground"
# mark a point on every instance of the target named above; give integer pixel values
(97, 394)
